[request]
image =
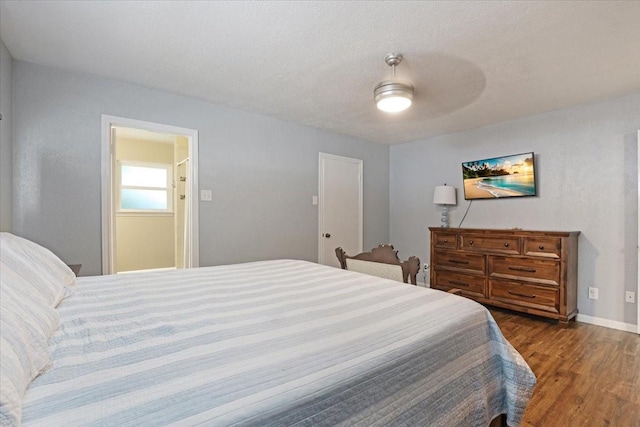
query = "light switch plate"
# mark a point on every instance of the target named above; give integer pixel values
(206, 195)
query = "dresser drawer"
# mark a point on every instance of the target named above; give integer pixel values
(532, 269)
(459, 261)
(493, 244)
(523, 270)
(542, 246)
(445, 240)
(524, 294)
(470, 285)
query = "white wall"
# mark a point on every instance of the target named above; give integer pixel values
(6, 66)
(263, 172)
(587, 181)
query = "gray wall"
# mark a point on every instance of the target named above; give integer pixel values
(6, 66)
(587, 181)
(263, 172)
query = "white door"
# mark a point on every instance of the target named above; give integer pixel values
(340, 207)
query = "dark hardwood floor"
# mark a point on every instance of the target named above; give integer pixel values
(587, 375)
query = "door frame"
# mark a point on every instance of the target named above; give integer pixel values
(321, 158)
(107, 197)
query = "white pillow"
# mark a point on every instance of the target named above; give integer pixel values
(32, 283)
(24, 354)
(34, 315)
(45, 274)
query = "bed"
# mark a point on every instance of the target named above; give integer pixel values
(279, 343)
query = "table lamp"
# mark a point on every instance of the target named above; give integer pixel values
(444, 195)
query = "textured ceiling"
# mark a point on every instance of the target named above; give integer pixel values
(317, 63)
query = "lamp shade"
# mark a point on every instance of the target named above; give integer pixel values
(444, 195)
(393, 97)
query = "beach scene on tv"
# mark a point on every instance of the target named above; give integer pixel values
(509, 176)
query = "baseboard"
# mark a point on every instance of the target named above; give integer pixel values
(598, 321)
(613, 324)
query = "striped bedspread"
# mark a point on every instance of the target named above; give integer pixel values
(274, 343)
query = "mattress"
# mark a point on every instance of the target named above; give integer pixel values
(280, 342)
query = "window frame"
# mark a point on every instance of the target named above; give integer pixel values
(169, 188)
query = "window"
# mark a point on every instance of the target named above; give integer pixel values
(145, 187)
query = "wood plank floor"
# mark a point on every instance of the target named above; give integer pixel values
(587, 375)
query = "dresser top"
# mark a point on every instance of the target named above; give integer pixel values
(505, 232)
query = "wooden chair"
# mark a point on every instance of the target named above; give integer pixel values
(370, 263)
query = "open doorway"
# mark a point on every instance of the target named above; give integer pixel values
(149, 214)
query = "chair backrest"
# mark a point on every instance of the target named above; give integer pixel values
(387, 258)
(379, 269)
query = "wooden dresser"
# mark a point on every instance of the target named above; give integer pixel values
(529, 271)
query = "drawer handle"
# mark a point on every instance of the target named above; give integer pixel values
(455, 282)
(456, 261)
(541, 247)
(506, 245)
(526, 270)
(446, 241)
(470, 242)
(521, 295)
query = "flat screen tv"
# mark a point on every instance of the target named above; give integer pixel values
(500, 177)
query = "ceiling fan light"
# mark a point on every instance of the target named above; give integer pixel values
(393, 97)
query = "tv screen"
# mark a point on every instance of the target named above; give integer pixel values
(500, 177)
